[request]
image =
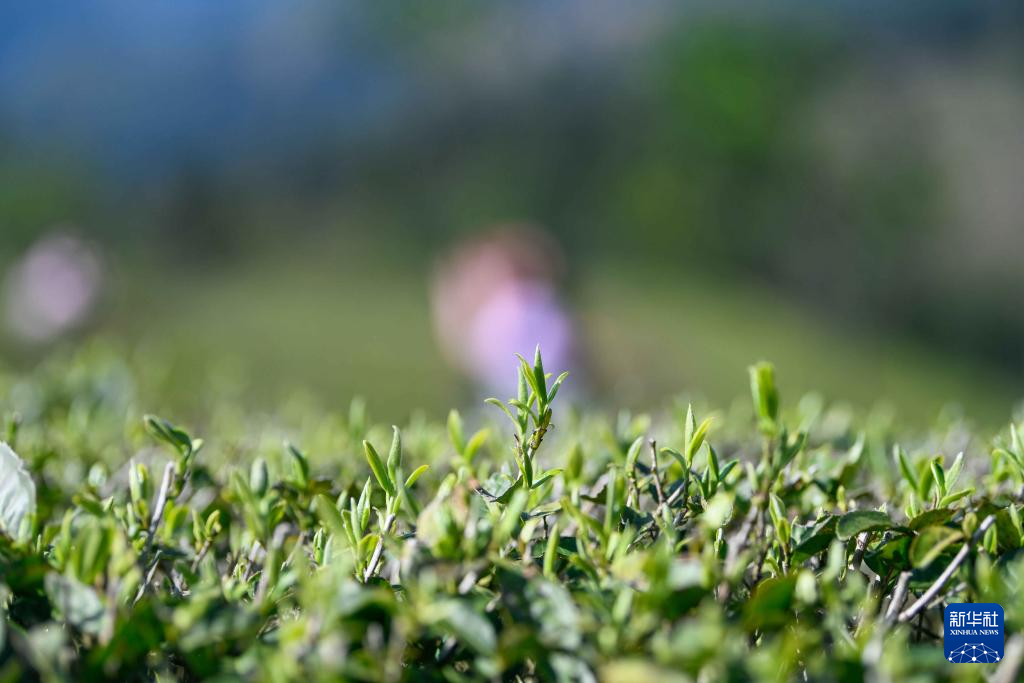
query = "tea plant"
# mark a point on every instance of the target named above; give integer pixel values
(790, 542)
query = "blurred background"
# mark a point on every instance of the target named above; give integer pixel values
(384, 199)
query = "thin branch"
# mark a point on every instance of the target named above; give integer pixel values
(158, 508)
(675, 495)
(1013, 657)
(201, 554)
(468, 581)
(934, 589)
(149, 578)
(657, 477)
(898, 596)
(371, 568)
(680, 491)
(250, 559)
(738, 542)
(280, 533)
(858, 552)
(154, 524)
(634, 488)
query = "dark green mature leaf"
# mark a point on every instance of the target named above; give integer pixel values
(770, 603)
(853, 523)
(1009, 538)
(930, 543)
(817, 540)
(891, 556)
(934, 517)
(681, 601)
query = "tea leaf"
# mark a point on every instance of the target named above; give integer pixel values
(378, 469)
(854, 523)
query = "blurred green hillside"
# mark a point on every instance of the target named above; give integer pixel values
(831, 188)
(319, 321)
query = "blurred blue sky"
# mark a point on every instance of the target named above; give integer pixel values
(142, 86)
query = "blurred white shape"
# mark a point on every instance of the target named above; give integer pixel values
(53, 287)
(17, 494)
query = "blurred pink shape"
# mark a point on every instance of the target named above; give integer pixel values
(514, 319)
(53, 287)
(495, 296)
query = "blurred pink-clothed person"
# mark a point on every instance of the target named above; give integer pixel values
(494, 296)
(53, 288)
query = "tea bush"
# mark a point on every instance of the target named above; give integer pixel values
(529, 542)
